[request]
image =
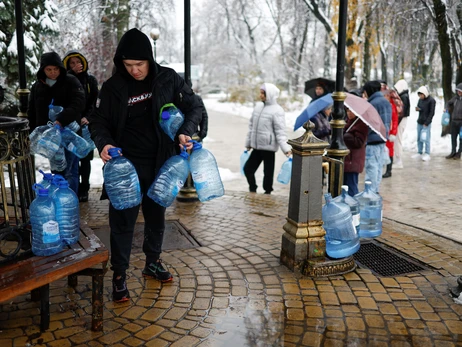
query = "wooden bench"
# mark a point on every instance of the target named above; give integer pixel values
(34, 274)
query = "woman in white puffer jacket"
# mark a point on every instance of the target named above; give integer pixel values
(267, 132)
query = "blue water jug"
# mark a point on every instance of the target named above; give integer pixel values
(45, 183)
(58, 162)
(205, 174)
(53, 111)
(342, 239)
(445, 118)
(244, 157)
(171, 119)
(49, 143)
(74, 143)
(121, 181)
(74, 126)
(286, 172)
(45, 229)
(67, 213)
(55, 183)
(35, 136)
(370, 207)
(354, 206)
(170, 179)
(86, 135)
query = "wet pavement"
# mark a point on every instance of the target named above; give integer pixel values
(232, 291)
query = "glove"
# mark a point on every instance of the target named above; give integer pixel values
(249, 148)
(392, 138)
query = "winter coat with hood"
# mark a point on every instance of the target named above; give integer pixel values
(426, 106)
(107, 122)
(66, 92)
(383, 107)
(355, 137)
(267, 127)
(88, 82)
(402, 89)
(454, 105)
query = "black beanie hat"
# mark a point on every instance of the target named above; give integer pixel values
(371, 87)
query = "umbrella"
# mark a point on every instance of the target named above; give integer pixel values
(310, 86)
(367, 113)
(312, 109)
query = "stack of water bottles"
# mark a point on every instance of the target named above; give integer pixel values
(173, 174)
(54, 216)
(171, 119)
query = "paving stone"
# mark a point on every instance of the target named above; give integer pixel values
(408, 313)
(437, 328)
(314, 312)
(329, 299)
(389, 282)
(397, 328)
(355, 323)
(367, 303)
(454, 327)
(295, 314)
(346, 298)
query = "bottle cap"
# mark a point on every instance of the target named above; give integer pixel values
(63, 184)
(345, 188)
(43, 192)
(165, 115)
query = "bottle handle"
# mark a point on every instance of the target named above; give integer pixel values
(162, 109)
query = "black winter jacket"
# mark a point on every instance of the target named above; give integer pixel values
(66, 92)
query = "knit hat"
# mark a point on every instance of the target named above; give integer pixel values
(459, 87)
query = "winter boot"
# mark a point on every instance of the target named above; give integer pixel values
(388, 172)
(451, 155)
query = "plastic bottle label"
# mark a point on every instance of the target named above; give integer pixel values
(356, 220)
(381, 215)
(50, 232)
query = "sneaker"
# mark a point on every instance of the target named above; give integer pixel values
(426, 157)
(417, 156)
(398, 165)
(119, 289)
(157, 271)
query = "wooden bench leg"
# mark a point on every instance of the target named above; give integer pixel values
(97, 302)
(44, 307)
(35, 294)
(72, 280)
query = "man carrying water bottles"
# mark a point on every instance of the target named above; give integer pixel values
(127, 116)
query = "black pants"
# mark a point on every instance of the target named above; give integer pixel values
(455, 130)
(84, 173)
(122, 223)
(252, 164)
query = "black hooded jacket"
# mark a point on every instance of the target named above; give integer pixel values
(108, 121)
(88, 82)
(66, 92)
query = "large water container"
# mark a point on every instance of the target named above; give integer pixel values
(121, 181)
(53, 111)
(67, 213)
(75, 143)
(86, 135)
(58, 162)
(353, 203)
(170, 179)
(45, 229)
(35, 136)
(46, 180)
(74, 126)
(171, 119)
(55, 183)
(243, 159)
(342, 239)
(370, 207)
(50, 141)
(286, 172)
(205, 174)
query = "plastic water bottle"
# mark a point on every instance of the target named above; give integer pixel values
(58, 162)
(170, 179)
(74, 126)
(370, 207)
(121, 181)
(86, 135)
(45, 183)
(35, 136)
(75, 143)
(171, 119)
(67, 213)
(342, 239)
(45, 229)
(53, 111)
(244, 157)
(286, 172)
(205, 174)
(55, 183)
(354, 206)
(445, 118)
(49, 144)
(423, 134)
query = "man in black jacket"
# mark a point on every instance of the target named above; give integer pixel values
(55, 84)
(127, 116)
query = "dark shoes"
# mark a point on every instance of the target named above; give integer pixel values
(83, 197)
(157, 271)
(456, 156)
(452, 155)
(386, 174)
(119, 289)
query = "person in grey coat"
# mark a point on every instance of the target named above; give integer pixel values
(267, 132)
(454, 107)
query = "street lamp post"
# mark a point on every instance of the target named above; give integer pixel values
(155, 33)
(22, 91)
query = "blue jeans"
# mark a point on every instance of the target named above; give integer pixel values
(421, 143)
(71, 172)
(374, 163)
(351, 180)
